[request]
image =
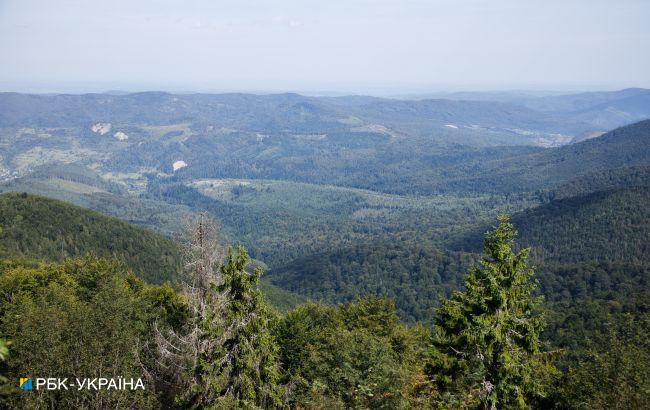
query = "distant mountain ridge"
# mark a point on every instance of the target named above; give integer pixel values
(602, 110)
(583, 101)
(563, 113)
(253, 112)
(623, 147)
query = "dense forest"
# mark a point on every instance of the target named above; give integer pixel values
(414, 276)
(588, 246)
(35, 228)
(354, 260)
(357, 354)
(39, 228)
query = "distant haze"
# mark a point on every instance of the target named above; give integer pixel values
(375, 47)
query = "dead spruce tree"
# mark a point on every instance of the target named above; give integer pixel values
(226, 357)
(181, 352)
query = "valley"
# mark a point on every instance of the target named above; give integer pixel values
(340, 198)
(291, 177)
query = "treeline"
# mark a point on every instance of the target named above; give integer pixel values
(214, 343)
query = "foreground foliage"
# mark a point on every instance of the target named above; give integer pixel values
(232, 351)
(86, 317)
(356, 355)
(225, 356)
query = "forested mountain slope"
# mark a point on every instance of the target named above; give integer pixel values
(602, 181)
(35, 228)
(623, 147)
(415, 277)
(45, 229)
(606, 226)
(603, 110)
(593, 246)
(397, 166)
(601, 226)
(589, 246)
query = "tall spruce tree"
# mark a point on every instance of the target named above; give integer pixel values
(487, 337)
(247, 375)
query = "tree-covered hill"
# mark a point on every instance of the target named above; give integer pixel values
(603, 226)
(627, 146)
(422, 166)
(589, 246)
(623, 147)
(35, 228)
(414, 276)
(39, 228)
(603, 180)
(582, 101)
(588, 249)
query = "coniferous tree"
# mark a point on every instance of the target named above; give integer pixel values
(248, 373)
(188, 357)
(227, 356)
(487, 337)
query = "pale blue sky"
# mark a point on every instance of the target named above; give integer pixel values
(366, 46)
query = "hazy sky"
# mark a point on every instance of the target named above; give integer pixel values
(371, 46)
